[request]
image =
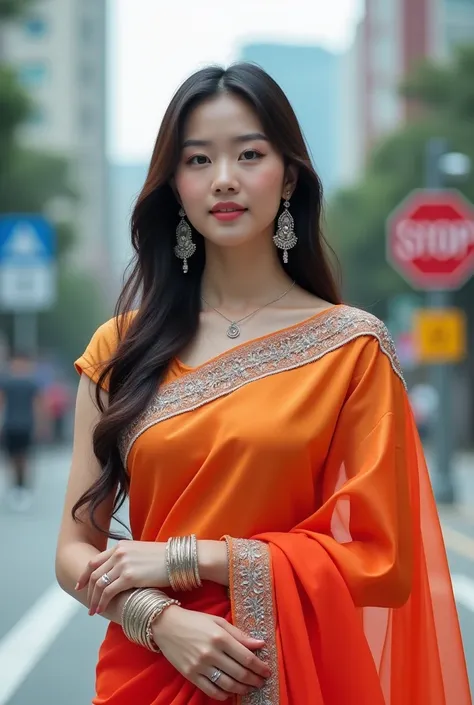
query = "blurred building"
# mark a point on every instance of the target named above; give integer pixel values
(392, 38)
(59, 50)
(126, 181)
(308, 75)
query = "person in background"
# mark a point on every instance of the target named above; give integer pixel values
(425, 404)
(20, 402)
(57, 400)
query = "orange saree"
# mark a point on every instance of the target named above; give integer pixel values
(300, 448)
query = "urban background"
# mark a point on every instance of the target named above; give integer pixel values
(387, 108)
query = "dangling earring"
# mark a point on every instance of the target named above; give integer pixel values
(285, 236)
(185, 247)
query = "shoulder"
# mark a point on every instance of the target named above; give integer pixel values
(370, 336)
(103, 345)
(358, 323)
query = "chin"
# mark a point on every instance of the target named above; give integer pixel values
(230, 239)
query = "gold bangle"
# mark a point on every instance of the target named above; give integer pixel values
(182, 563)
(141, 608)
(157, 612)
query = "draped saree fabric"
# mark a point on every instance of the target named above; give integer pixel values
(300, 450)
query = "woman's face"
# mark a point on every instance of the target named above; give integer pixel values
(230, 179)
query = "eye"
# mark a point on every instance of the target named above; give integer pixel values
(250, 155)
(198, 160)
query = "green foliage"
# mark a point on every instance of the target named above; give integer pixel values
(35, 179)
(12, 9)
(15, 106)
(79, 310)
(449, 89)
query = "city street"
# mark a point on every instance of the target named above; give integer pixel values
(48, 644)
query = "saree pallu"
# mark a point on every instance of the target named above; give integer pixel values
(300, 449)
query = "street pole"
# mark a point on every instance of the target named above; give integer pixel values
(441, 374)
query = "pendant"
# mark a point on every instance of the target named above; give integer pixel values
(233, 331)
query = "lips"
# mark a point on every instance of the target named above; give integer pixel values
(227, 207)
(227, 211)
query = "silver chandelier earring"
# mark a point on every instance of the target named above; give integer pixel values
(185, 247)
(285, 236)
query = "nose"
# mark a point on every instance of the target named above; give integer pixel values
(224, 179)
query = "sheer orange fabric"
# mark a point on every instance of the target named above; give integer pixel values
(301, 450)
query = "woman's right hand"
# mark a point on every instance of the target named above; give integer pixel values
(198, 644)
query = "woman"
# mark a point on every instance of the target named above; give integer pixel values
(241, 407)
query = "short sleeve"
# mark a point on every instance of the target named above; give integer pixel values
(100, 350)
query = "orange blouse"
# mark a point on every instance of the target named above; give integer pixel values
(300, 446)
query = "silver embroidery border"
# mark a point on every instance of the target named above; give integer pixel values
(250, 362)
(253, 609)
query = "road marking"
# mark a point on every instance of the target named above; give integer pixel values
(31, 637)
(463, 590)
(458, 542)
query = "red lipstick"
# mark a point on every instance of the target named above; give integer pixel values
(227, 210)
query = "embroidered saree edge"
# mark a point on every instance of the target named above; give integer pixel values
(253, 610)
(282, 353)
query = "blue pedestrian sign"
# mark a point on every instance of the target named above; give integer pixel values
(27, 263)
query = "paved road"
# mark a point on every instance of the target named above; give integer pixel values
(48, 645)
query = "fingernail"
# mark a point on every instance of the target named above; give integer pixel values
(76, 586)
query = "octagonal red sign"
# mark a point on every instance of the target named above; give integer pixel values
(430, 239)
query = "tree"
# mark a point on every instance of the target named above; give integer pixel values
(11, 9)
(15, 107)
(80, 309)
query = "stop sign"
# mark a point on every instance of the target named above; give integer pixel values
(430, 239)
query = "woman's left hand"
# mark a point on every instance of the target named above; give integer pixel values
(128, 565)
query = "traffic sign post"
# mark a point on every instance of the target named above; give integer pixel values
(430, 242)
(27, 272)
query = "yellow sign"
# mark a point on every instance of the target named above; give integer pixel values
(440, 335)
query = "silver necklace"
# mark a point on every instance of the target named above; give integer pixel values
(233, 331)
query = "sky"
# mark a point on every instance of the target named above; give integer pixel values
(156, 44)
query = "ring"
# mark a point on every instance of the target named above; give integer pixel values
(215, 676)
(105, 579)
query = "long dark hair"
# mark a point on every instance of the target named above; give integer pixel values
(167, 302)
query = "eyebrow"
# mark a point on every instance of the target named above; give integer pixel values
(240, 138)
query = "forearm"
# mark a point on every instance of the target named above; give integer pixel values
(213, 561)
(70, 563)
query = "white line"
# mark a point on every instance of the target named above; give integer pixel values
(463, 590)
(31, 637)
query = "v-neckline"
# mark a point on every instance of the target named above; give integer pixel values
(185, 368)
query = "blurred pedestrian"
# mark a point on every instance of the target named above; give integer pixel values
(263, 434)
(57, 402)
(425, 404)
(20, 400)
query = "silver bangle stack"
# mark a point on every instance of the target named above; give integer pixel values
(182, 563)
(139, 612)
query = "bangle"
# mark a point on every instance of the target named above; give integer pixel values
(182, 563)
(157, 612)
(139, 612)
